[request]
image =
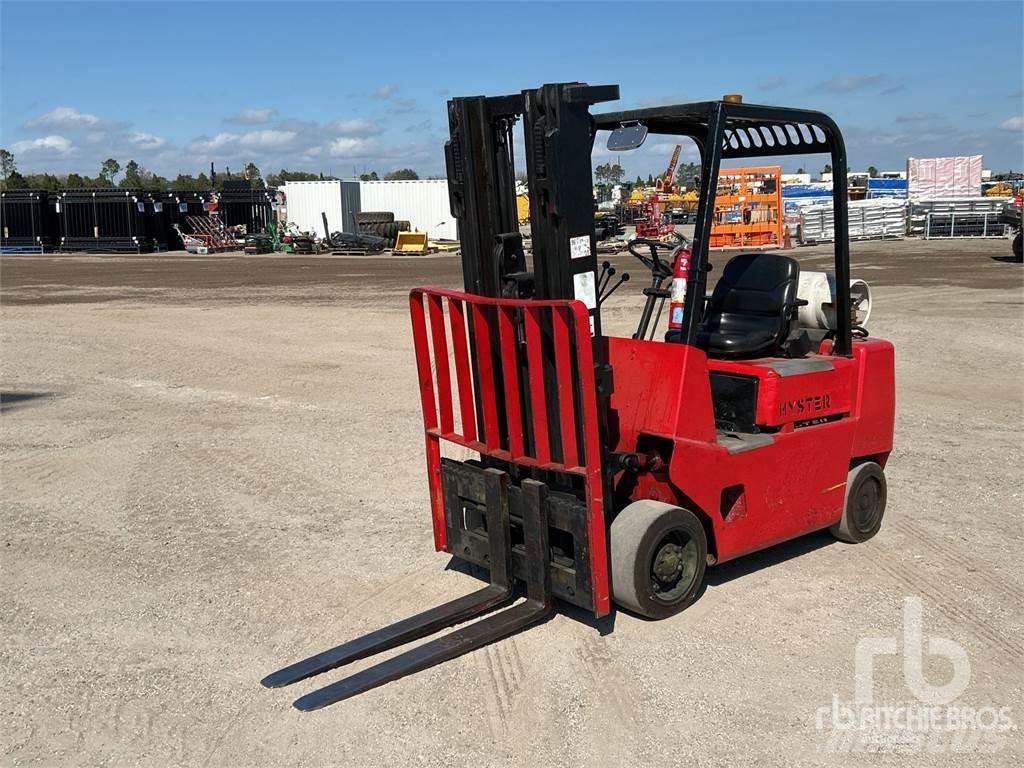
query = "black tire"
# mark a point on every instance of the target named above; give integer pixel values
(1017, 253)
(374, 217)
(863, 505)
(403, 226)
(658, 556)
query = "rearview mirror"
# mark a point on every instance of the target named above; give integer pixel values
(627, 137)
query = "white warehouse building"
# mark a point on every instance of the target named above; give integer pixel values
(423, 203)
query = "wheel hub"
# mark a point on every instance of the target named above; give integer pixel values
(668, 563)
(866, 506)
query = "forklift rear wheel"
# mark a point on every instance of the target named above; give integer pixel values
(658, 556)
(1018, 253)
(864, 504)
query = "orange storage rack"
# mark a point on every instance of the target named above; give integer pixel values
(748, 208)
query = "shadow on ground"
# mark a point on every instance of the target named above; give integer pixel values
(10, 401)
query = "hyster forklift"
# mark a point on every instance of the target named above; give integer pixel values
(617, 469)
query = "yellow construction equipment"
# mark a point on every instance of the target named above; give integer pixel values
(411, 242)
(523, 208)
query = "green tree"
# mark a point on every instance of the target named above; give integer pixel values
(279, 178)
(827, 168)
(650, 180)
(402, 174)
(110, 169)
(16, 181)
(134, 176)
(609, 174)
(800, 170)
(75, 181)
(688, 175)
(7, 166)
(252, 173)
(42, 181)
(872, 172)
(639, 182)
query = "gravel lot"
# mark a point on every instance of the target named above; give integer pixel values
(212, 466)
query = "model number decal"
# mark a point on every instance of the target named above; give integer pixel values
(805, 405)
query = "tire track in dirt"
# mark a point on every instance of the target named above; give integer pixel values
(920, 581)
(500, 669)
(973, 569)
(613, 720)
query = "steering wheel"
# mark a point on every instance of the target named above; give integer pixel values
(653, 262)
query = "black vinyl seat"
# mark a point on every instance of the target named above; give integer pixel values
(753, 309)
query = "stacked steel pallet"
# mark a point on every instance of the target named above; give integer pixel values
(869, 219)
(956, 217)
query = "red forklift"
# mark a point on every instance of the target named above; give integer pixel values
(612, 469)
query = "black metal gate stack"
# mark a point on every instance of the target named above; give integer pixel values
(104, 220)
(26, 220)
(252, 208)
(175, 206)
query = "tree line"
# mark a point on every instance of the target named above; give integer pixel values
(134, 176)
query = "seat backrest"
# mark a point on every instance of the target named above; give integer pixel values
(752, 308)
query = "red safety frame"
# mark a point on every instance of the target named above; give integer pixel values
(494, 324)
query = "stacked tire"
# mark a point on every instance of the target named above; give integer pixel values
(381, 224)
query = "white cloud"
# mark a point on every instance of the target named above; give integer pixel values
(1013, 124)
(359, 128)
(386, 91)
(253, 116)
(345, 146)
(229, 144)
(220, 141)
(268, 139)
(68, 118)
(144, 140)
(53, 146)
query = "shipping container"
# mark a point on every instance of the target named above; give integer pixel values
(306, 201)
(424, 204)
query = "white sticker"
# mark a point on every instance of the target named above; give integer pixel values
(579, 247)
(584, 289)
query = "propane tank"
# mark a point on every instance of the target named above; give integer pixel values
(818, 289)
(680, 277)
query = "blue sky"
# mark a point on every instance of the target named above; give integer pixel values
(345, 88)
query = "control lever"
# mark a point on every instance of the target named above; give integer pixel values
(623, 279)
(607, 270)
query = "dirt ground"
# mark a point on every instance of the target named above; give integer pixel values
(212, 466)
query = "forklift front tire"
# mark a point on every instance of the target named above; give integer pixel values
(658, 556)
(864, 504)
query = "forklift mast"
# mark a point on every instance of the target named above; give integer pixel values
(559, 134)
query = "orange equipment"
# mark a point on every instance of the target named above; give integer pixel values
(748, 208)
(664, 182)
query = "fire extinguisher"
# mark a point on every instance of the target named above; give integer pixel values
(680, 276)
